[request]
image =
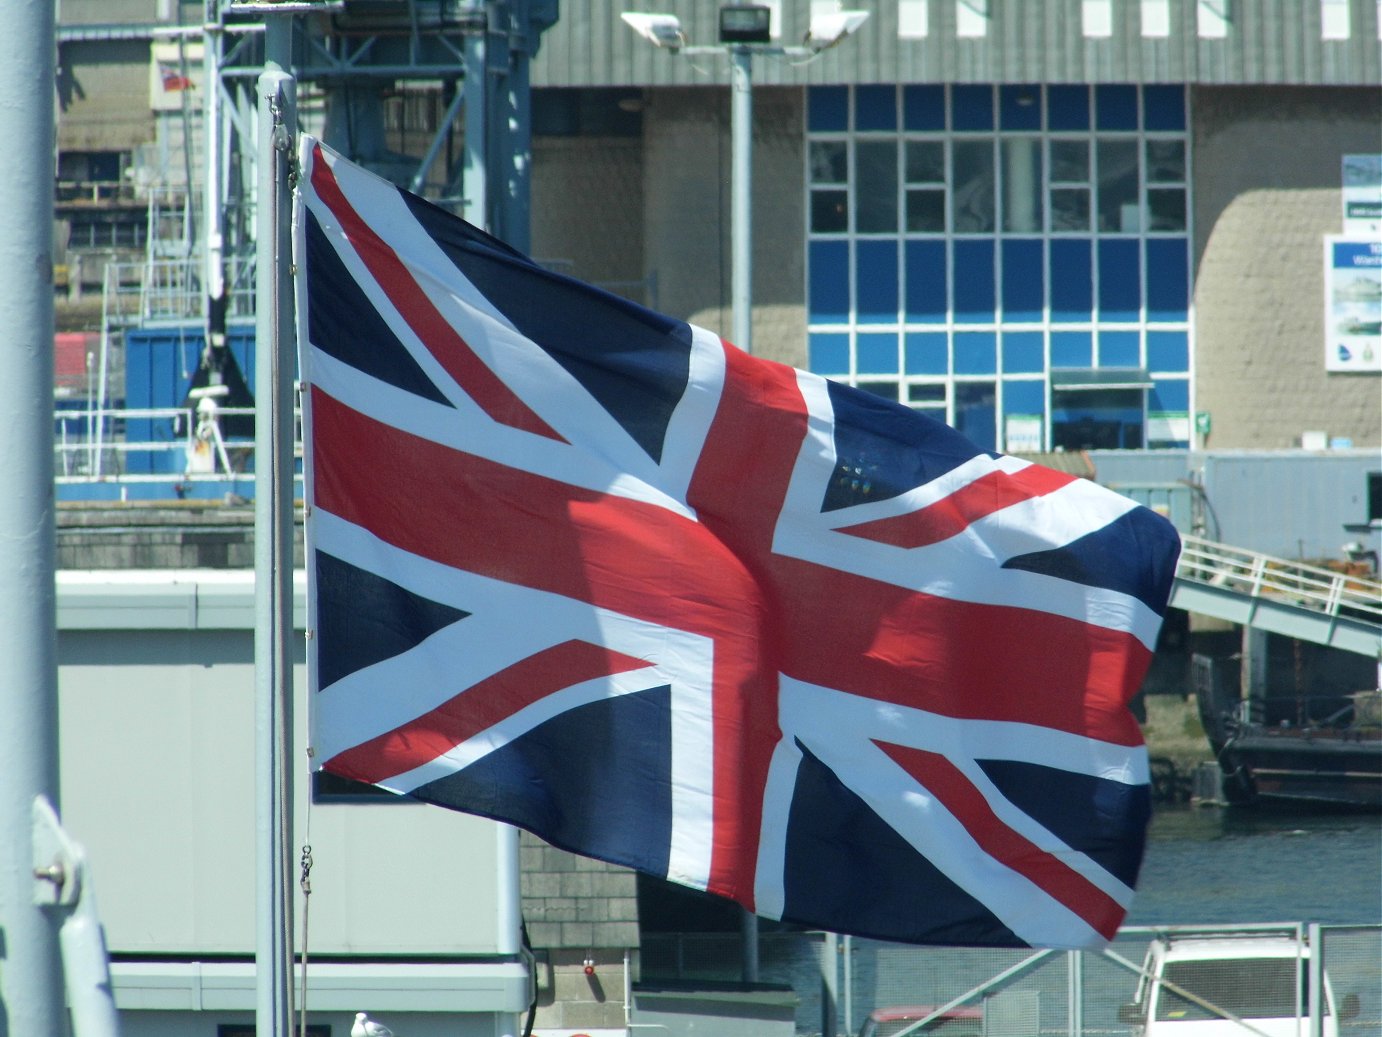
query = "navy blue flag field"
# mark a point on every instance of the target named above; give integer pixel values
(593, 571)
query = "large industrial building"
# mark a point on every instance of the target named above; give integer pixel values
(1142, 233)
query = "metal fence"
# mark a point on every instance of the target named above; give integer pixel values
(839, 982)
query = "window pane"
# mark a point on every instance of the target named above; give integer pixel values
(876, 162)
(829, 212)
(973, 187)
(925, 161)
(1070, 161)
(976, 413)
(1022, 185)
(1165, 161)
(829, 162)
(1070, 208)
(887, 390)
(1118, 209)
(929, 393)
(1166, 209)
(926, 211)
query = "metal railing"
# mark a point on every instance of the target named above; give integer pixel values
(966, 991)
(154, 445)
(1258, 575)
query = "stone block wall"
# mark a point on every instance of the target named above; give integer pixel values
(582, 922)
(1267, 189)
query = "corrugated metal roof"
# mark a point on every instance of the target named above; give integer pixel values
(1027, 41)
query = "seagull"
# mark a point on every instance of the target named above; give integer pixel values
(367, 1027)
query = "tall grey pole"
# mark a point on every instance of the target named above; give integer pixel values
(741, 200)
(31, 998)
(741, 302)
(273, 537)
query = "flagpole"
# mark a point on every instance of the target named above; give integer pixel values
(31, 999)
(273, 540)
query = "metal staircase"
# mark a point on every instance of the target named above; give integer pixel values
(1289, 598)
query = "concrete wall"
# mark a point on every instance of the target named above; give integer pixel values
(157, 749)
(1266, 191)
(103, 96)
(686, 200)
(587, 199)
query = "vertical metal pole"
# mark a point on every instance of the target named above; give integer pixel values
(212, 145)
(474, 183)
(830, 985)
(1074, 963)
(31, 999)
(1315, 966)
(741, 201)
(847, 980)
(273, 539)
(741, 290)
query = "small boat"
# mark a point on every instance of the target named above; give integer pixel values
(1308, 750)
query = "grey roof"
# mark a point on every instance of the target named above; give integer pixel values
(1027, 41)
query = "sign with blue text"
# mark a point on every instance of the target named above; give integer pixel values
(1352, 304)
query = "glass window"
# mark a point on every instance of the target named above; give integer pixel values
(926, 210)
(1067, 107)
(877, 354)
(1166, 209)
(972, 193)
(927, 352)
(1022, 213)
(876, 193)
(829, 212)
(1117, 170)
(976, 352)
(1069, 208)
(1069, 161)
(1165, 161)
(1071, 349)
(923, 107)
(1250, 988)
(974, 234)
(1115, 106)
(887, 390)
(1168, 351)
(928, 396)
(875, 108)
(924, 161)
(829, 353)
(827, 109)
(1022, 352)
(829, 162)
(971, 107)
(976, 413)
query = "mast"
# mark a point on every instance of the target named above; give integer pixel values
(31, 994)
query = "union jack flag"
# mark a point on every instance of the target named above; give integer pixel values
(593, 571)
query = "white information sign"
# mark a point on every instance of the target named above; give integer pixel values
(1362, 190)
(1352, 303)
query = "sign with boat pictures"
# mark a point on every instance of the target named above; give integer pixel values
(1352, 303)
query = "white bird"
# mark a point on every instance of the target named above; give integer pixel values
(367, 1027)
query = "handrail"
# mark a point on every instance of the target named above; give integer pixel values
(1262, 576)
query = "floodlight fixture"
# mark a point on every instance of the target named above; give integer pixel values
(830, 28)
(745, 23)
(661, 30)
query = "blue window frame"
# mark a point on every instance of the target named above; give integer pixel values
(974, 239)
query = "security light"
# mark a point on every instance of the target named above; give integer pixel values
(662, 30)
(829, 29)
(745, 23)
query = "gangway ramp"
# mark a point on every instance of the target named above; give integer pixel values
(1281, 597)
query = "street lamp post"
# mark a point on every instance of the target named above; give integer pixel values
(744, 31)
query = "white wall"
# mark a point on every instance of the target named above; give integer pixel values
(156, 698)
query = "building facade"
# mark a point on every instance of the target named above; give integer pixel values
(1055, 226)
